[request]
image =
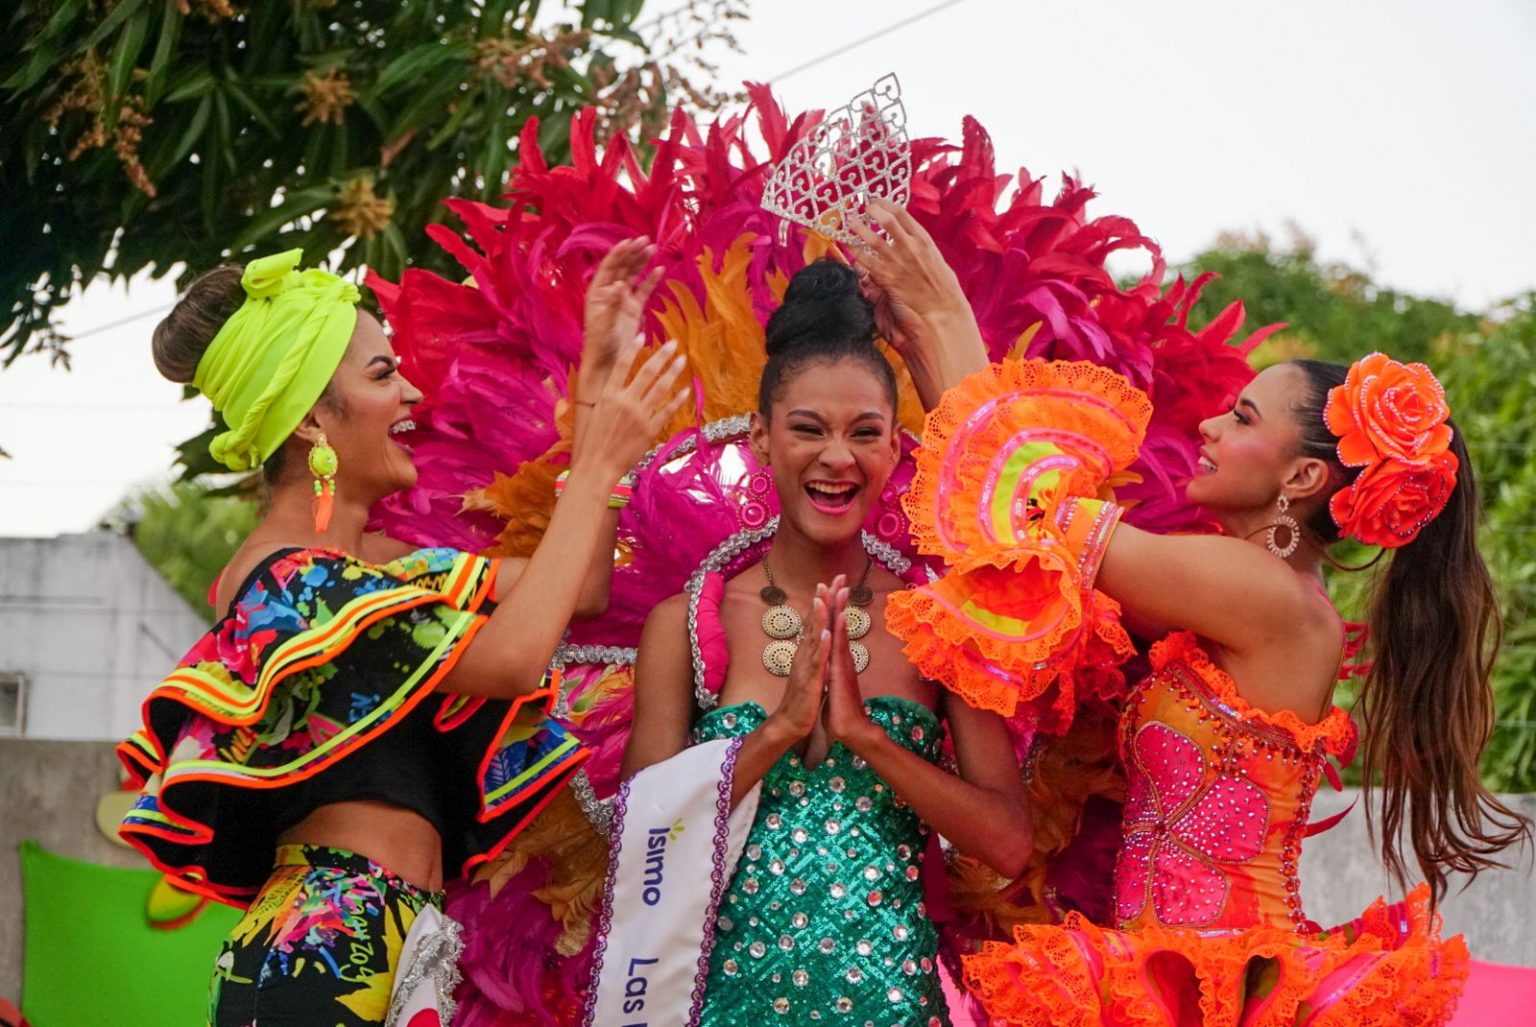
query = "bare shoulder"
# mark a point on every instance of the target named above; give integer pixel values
(882, 579)
(1321, 618)
(1225, 589)
(260, 546)
(1296, 667)
(663, 688)
(1285, 615)
(254, 552)
(1307, 612)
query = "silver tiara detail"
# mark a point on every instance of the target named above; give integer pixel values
(858, 151)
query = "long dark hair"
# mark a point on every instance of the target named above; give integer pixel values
(1426, 703)
(824, 316)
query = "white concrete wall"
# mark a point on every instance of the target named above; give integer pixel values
(93, 627)
(1341, 873)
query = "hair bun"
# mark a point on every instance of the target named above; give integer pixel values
(181, 339)
(823, 304)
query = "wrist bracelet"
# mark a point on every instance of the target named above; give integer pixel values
(618, 499)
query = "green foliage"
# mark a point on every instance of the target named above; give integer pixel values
(1490, 379)
(157, 134)
(1333, 312)
(1488, 366)
(188, 533)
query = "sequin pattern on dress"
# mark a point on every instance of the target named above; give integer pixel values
(824, 921)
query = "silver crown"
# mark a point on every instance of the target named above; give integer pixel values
(858, 151)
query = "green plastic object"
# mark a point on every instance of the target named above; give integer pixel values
(91, 956)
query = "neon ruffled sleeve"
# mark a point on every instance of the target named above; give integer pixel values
(1011, 491)
(320, 655)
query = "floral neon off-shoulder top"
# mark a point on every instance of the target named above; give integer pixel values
(320, 656)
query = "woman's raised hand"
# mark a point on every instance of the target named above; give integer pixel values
(629, 412)
(797, 713)
(906, 271)
(919, 305)
(615, 302)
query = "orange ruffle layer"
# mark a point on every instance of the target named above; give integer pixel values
(1079, 647)
(1374, 973)
(1087, 411)
(1006, 485)
(1336, 731)
(1012, 461)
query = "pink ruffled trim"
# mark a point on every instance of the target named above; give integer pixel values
(711, 633)
(1336, 733)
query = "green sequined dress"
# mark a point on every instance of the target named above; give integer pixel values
(824, 921)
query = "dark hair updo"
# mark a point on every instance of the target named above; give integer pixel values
(187, 331)
(824, 316)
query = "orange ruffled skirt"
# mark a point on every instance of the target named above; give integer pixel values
(1387, 968)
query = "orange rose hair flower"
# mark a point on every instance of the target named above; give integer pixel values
(1390, 418)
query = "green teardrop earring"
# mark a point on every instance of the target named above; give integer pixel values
(323, 464)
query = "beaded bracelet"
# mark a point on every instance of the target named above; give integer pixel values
(618, 499)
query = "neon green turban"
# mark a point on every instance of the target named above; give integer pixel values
(274, 357)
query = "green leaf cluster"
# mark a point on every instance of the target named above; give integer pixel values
(1332, 311)
(179, 134)
(1490, 378)
(188, 532)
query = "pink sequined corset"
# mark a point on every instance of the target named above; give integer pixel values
(1218, 798)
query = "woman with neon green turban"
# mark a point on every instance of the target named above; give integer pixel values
(366, 719)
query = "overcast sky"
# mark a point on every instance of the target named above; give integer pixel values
(1401, 134)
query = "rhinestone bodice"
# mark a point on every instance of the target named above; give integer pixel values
(824, 921)
(1217, 800)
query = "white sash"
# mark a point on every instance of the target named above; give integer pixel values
(676, 841)
(427, 973)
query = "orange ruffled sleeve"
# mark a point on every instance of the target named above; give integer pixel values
(1011, 491)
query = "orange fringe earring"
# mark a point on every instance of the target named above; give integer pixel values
(323, 464)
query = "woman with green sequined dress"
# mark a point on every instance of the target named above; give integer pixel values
(824, 919)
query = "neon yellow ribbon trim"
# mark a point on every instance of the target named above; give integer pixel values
(555, 755)
(390, 706)
(1015, 467)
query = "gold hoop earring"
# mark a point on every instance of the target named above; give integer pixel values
(323, 464)
(1283, 522)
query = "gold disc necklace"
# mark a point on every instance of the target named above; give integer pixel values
(783, 623)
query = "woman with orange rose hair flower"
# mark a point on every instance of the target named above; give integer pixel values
(1225, 742)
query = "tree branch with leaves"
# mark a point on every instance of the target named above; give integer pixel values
(176, 135)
